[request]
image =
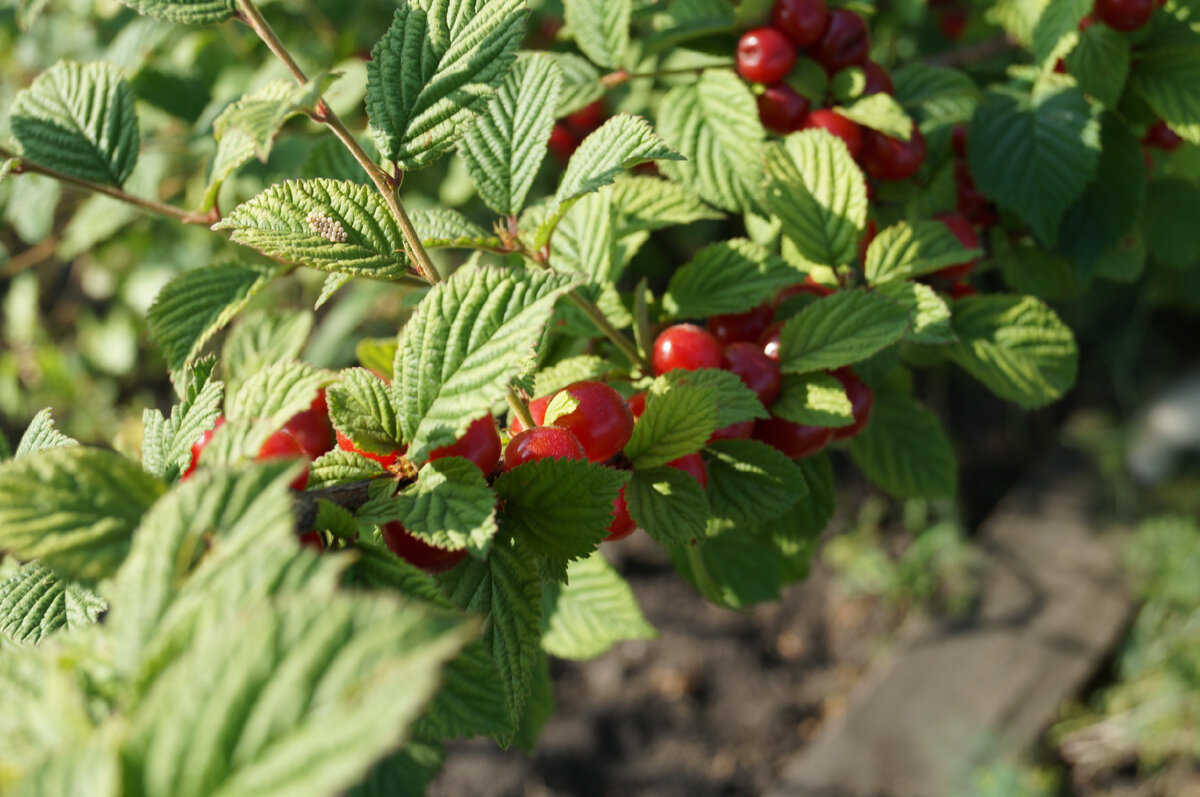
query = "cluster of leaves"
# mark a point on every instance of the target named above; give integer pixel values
(310, 669)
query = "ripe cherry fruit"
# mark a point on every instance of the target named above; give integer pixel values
(793, 439)
(685, 347)
(965, 234)
(562, 142)
(768, 341)
(756, 370)
(416, 551)
(808, 287)
(879, 81)
(480, 444)
(622, 524)
(637, 404)
(782, 109)
(887, 158)
(1159, 136)
(840, 126)
(587, 118)
(764, 55)
(1124, 15)
(312, 428)
(693, 465)
(862, 401)
(741, 327)
(313, 540)
(846, 42)
(386, 460)
(802, 21)
(602, 423)
(537, 410)
(542, 442)
(734, 431)
(284, 445)
(198, 447)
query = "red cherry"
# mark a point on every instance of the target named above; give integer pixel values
(794, 440)
(769, 340)
(970, 202)
(637, 404)
(840, 126)
(734, 431)
(314, 540)
(386, 460)
(312, 428)
(965, 234)
(782, 109)
(810, 286)
(686, 347)
(416, 551)
(622, 524)
(1162, 137)
(197, 447)
(562, 142)
(587, 118)
(846, 42)
(879, 80)
(953, 22)
(693, 465)
(739, 327)
(887, 158)
(542, 442)
(1124, 15)
(802, 21)
(764, 55)
(862, 401)
(602, 422)
(480, 444)
(958, 140)
(865, 242)
(961, 290)
(537, 409)
(284, 445)
(757, 371)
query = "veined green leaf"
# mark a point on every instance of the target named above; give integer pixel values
(651, 203)
(904, 449)
(735, 402)
(446, 228)
(814, 399)
(41, 435)
(929, 315)
(34, 603)
(593, 611)
(911, 249)
(676, 422)
(261, 339)
(167, 442)
(360, 407)
(668, 503)
(276, 393)
(749, 481)
(841, 329)
(581, 82)
(1167, 74)
(727, 277)
(880, 112)
(185, 12)
(1100, 62)
(1057, 30)
(471, 701)
(601, 28)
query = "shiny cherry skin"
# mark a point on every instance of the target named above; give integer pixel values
(887, 158)
(386, 460)
(764, 55)
(622, 524)
(879, 80)
(284, 445)
(693, 465)
(197, 447)
(768, 341)
(864, 243)
(685, 347)
(480, 444)
(965, 234)
(416, 551)
(970, 201)
(313, 540)
(849, 132)
(756, 370)
(802, 21)
(1159, 136)
(734, 431)
(537, 409)
(1124, 15)
(542, 442)
(782, 109)
(794, 440)
(846, 42)
(563, 142)
(602, 422)
(587, 118)
(637, 404)
(312, 427)
(741, 327)
(862, 401)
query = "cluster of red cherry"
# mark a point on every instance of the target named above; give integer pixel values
(1125, 15)
(570, 131)
(836, 39)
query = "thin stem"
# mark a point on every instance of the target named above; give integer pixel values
(148, 205)
(42, 250)
(324, 114)
(621, 76)
(519, 408)
(612, 333)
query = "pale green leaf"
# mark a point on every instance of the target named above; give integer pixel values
(841, 329)
(651, 203)
(1057, 30)
(185, 12)
(814, 399)
(600, 28)
(41, 435)
(360, 407)
(34, 602)
(1100, 62)
(581, 82)
(593, 611)
(339, 467)
(676, 422)
(912, 249)
(445, 228)
(276, 393)
(167, 442)
(726, 277)
(568, 371)
(259, 340)
(880, 112)
(735, 402)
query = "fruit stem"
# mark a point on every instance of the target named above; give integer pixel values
(519, 408)
(628, 347)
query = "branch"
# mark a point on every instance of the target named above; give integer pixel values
(350, 496)
(972, 54)
(249, 13)
(602, 323)
(148, 205)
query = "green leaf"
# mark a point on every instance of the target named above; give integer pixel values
(1017, 346)
(929, 315)
(34, 603)
(1100, 62)
(433, 71)
(339, 467)
(600, 28)
(471, 701)
(262, 339)
(191, 308)
(1167, 74)
(651, 203)
(565, 372)
(880, 112)
(668, 503)
(1035, 154)
(904, 449)
(79, 119)
(733, 568)
(469, 336)
(539, 708)
(581, 83)
(360, 407)
(1057, 29)
(912, 249)
(935, 93)
(379, 568)
(442, 228)
(676, 422)
(41, 435)
(622, 142)
(684, 20)
(817, 191)
(593, 611)
(73, 508)
(798, 533)
(727, 277)
(559, 508)
(276, 393)
(332, 225)
(405, 773)
(841, 329)
(449, 507)
(714, 124)
(749, 481)
(505, 147)
(815, 399)
(1167, 220)
(167, 443)
(185, 12)
(735, 402)
(504, 588)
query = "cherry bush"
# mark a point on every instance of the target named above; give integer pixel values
(657, 260)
